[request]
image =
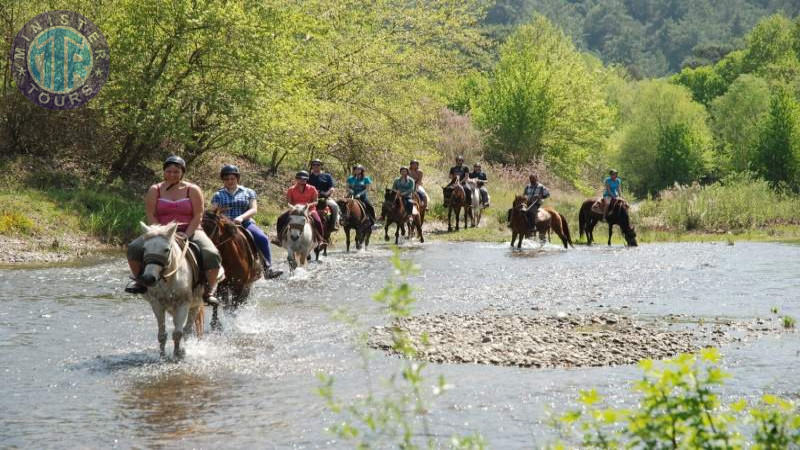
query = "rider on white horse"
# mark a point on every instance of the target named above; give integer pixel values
(176, 200)
(480, 175)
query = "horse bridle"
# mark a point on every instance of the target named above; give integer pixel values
(165, 260)
(217, 233)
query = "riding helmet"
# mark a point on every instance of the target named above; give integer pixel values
(413, 161)
(403, 168)
(303, 175)
(359, 166)
(612, 171)
(459, 158)
(229, 169)
(177, 160)
(316, 161)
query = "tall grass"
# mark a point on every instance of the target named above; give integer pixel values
(737, 203)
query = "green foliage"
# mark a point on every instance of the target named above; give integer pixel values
(778, 152)
(666, 138)
(737, 202)
(13, 222)
(679, 407)
(543, 103)
(736, 118)
(704, 83)
(788, 322)
(465, 92)
(398, 417)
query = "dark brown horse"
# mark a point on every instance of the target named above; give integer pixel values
(394, 210)
(327, 226)
(618, 214)
(455, 198)
(355, 217)
(519, 225)
(240, 260)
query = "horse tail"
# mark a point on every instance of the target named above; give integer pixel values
(565, 228)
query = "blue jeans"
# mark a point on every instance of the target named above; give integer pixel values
(262, 240)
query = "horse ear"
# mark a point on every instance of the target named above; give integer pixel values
(144, 227)
(172, 228)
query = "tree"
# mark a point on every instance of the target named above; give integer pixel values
(542, 103)
(704, 83)
(778, 153)
(736, 118)
(665, 138)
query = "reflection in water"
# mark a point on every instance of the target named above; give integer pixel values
(171, 406)
(81, 348)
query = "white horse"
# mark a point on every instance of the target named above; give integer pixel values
(298, 237)
(169, 279)
(477, 207)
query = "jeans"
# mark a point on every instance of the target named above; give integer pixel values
(262, 240)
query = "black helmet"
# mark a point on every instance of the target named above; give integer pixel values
(358, 166)
(229, 169)
(316, 161)
(177, 160)
(413, 161)
(402, 168)
(303, 175)
(612, 171)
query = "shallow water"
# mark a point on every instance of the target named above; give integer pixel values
(80, 366)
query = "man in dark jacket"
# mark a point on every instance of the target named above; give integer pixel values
(325, 184)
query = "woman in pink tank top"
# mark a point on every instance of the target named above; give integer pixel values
(175, 200)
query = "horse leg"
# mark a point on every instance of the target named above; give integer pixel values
(160, 313)
(179, 321)
(367, 234)
(347, 239)
(198, 314)
(303, 259)
(397, 234)
(216, 324)
(189, 328)
(450, 218)
(386, 231)
(419, 230)
(610, 230)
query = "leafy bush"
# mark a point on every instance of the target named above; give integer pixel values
(679, 408)
(12, 222)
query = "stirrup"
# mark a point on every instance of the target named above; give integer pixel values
(134, 287)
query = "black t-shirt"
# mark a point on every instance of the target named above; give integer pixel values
(478, 175)
(460, 171)
(323, 182)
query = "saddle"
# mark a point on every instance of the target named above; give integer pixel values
(195, 259)
(252, 249)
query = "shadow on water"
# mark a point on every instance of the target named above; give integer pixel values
(120, 362)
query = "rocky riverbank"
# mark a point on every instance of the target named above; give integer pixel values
(28, 250)
(563, 340)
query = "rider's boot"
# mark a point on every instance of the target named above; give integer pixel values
(270, 273)
(210, 295)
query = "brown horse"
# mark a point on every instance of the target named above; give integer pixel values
(240, 260)
(327, 225)
(618, 214)
(519, 225)
(555, 222)
(456, 200)
(394, 210)
(355, 217)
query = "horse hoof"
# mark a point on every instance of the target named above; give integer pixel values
(216, 325)
(179, 354)
(386, 238)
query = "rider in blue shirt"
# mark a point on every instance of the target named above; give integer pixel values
(612, 189)
(357, 186)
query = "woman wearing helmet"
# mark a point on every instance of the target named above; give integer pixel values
(301, 193)
(357, 187)
(240, 205)
(176, 200)
(612, 189)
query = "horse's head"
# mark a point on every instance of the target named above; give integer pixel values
(630, 237)
(520, 203)
(158, 248)
(217, 226)
(622, 211)
(388, 195)
(298, 217)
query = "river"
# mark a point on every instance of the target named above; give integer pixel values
(80, 366)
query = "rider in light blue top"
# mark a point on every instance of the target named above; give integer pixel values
(613, 189)
(357, 186)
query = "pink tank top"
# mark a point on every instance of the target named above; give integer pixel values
(180, 210)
